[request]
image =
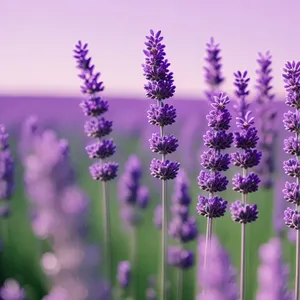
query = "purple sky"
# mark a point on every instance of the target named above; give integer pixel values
(37, 38)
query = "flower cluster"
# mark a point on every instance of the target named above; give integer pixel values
(6, 173)
(123, 274)
(59, 211)
(219, 280)
(11, 290)
(245, 140)
(214, 161)
(272, 273)
(213, 74)
(182, 227)
(291, 122)
(160, 86)
(97, 127)
(266, 117)
(132, 194)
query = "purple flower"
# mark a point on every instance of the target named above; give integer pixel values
(180, 258)
(164, 170)
(249, 159)
(181, 194)
(243, 213)
(213, 76)
(212, 183)
(104, 172)
(143, 197)
(245, 185)
(272, 273)
(163, 145)
(6, 166)
(3, 138)
(98, 127)
(160, 84)
(293, 99)
(292, 168)
(266, 117)
(11, 290)
(132, 195)
(219, 278)
(245, 122)
(101, 149)
(219, 119)
(124, 274)
(215, 161)
(211, 207)
(291, 76)
(161, 115)
(246, 139)
(183, 230)
(219, 140)
(180, 210)
(292, 218)
(292, 193)
(94, 107)
(292, 146)
(241, 82)
(291, 121)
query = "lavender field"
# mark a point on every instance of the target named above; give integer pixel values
(24, 250)
(140, 163)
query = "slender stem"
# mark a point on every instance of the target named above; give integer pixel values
(107, 232)
(134, 277)
(207, 240)
(243, 249)
(179, 283)
(164, 242)
(297, 275)
(242, 273)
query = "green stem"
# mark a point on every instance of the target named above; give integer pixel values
(179, 283)
(134, 275)
(107, 233)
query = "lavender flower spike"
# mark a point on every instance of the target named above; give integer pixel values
(11, 290)
(134, 198)
(272, 273)
(266, 117)
(182, 228)
(291, 78)
(219, 280)
(213, 74)
(7, 168)
(97, 127)
(246, 157)
(160, 86)
(214, 161)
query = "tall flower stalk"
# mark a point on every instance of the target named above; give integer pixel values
(97, 127)
(213, 69)
(134, 198)
(291, 167)
(219, 280)
(217, 139)
(182, 228)
(160, 86)
(272, 273)
(266, 117)
(6, 184)
(245, 140)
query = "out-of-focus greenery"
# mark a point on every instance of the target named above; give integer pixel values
(20, 259)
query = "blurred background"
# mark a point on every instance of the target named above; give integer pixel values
(38, 77)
